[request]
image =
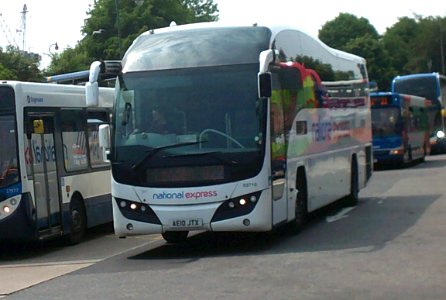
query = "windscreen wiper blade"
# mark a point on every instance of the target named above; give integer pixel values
(153, 151)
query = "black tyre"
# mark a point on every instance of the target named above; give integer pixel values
(423, 158)
(352, 199)
(78, 222)
(175, 237)
(301, 209)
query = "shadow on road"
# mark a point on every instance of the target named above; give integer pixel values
(372, 224)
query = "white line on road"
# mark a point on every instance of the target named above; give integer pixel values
(340, 215)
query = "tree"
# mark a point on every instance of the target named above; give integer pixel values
(19, 65)
(345, 28)
(426, 52)
(112, 26)
(6, 74)
(416, 45)
(70, 60)
(397, 40)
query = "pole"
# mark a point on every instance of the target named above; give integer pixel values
(118, 28)
(24, 11)
(441, 49)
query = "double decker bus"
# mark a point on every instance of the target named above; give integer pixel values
(262, 125)
(431, 86)
(400, 128)
(53, 178)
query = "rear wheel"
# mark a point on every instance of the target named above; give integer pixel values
(352, 199)
(175, 237)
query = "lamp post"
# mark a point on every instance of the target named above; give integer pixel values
(441, 48)
(56, 47)
(118, 27)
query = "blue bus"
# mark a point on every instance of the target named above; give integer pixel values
(433, 87)
(400, 128)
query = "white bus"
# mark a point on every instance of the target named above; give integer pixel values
(53, 178)
(234, 128)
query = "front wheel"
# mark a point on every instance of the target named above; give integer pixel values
(175, 237)
(300, 208)
(78, 222)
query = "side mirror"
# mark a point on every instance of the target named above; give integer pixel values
(92, 94)
(264, 85)
(92, 86)
(104, 140)
(109, 69)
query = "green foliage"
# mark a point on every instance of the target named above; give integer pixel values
(415, 45)
(397, 41)
(345, 28)
(70, 60)
(19, 65)
(412, 45)
(6, 74)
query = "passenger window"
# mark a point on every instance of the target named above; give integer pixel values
(94, 119)
(73, 139)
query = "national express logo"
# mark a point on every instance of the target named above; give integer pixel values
(184, 195)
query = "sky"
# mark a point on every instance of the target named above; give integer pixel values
(60, 21)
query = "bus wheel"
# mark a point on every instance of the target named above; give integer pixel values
(300, 208)
(423, 157)
(78, 222)
(408, 161)
(175, 237)
(352, 199)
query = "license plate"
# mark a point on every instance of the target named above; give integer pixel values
(186, 223)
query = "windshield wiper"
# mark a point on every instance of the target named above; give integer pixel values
(153, 151)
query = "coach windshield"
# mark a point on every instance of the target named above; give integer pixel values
(168, 121)
(187, 111)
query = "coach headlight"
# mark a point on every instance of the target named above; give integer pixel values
(440, 134)
(6, 209)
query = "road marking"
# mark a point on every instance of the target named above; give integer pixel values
(19, 277)
(55, 263)
(340, 215)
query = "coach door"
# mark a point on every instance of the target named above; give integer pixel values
(41, 141)
(278, 161)
(286, 84)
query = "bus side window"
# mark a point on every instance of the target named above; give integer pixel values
(73, 139)
(94, 119)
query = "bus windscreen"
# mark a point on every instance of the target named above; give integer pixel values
(418, 86)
